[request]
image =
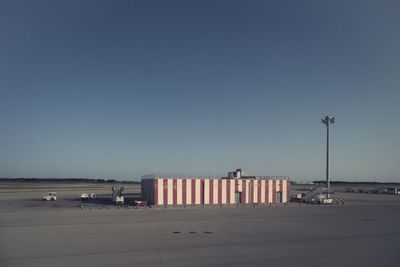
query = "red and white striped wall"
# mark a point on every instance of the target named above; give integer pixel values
(177, 191)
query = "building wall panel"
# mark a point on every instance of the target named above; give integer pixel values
(247, 183)
(200, 191)
(155, 193)
(165, 191)
(215, 191)
(206, 191)
(269, 191)
(179, 192)
(259, 184)
(252, 184)
(273, 191)
(262, 192)
(160, 192)
(284, 188)
(256, 192)
(174, 191)
(188, 191)
(184, 193)
(193, 190)
(170, 187)
(224, 191)
(210, 191)
(244, 195)
(232, 191)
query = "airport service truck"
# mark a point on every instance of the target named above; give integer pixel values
(50, 196)
(85, 196)
(318, 196)
(119, 200)
(117, 197)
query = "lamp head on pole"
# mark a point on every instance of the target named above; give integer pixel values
(328, 119)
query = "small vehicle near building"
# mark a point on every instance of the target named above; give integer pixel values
(119, 200)
(328, 201)
(297, 197)
(50, 196)
(117, 197)
(86, 196)
(140, 203)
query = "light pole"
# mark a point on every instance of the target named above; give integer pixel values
(327, 121)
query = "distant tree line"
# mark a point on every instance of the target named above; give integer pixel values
(345, 182)
(63, 180)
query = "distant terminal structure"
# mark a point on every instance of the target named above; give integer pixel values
(237, 188)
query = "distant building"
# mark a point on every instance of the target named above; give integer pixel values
(237, 188)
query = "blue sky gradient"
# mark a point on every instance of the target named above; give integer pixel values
(117, 89)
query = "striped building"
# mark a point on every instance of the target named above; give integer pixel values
(178, 191)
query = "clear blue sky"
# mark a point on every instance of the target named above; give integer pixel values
(117, 89)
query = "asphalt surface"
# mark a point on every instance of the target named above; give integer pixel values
(363, 232)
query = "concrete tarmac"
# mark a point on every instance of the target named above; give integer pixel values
(363, 232)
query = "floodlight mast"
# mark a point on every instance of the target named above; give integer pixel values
(327, 121)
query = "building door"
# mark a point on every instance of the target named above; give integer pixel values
(238, 197)
(278, 197)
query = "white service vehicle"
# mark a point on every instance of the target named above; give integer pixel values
(119, 200)
(84, 196)
(50, 196)
(117, 197)
(323, 200)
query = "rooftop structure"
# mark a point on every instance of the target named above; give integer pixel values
(239, 173)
